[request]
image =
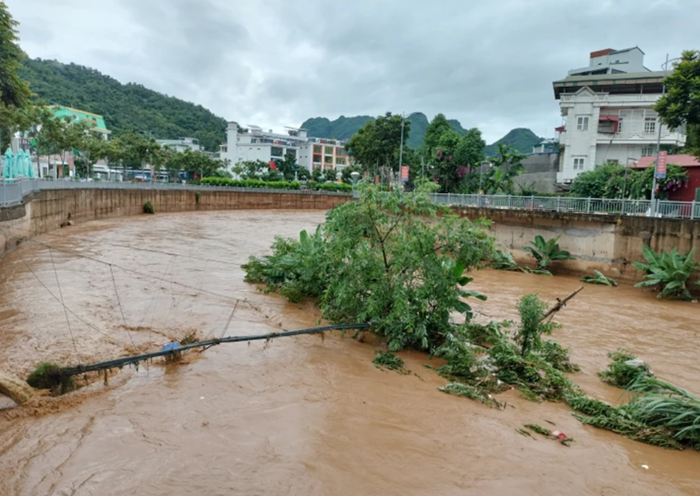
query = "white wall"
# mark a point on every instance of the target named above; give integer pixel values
(629, 61)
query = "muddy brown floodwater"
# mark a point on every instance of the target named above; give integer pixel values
(304, 415)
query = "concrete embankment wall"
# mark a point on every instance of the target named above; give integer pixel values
(49, 210)
(603, 242)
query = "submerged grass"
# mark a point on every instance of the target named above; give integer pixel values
(624, 369)
(389, 361)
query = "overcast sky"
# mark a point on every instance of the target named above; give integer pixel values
(488, 63)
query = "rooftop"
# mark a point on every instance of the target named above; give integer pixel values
(80, 115)
(633, 82)
(684, 160)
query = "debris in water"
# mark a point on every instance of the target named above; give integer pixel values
(554, 435)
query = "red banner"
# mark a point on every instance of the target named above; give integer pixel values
(404, 173)
(661, 167)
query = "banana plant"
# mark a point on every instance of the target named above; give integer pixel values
(546, 251)
(668, 271)
(600, 279)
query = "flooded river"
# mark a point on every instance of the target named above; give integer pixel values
(303, 415)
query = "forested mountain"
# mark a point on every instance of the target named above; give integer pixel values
(521, 139)
(124, 106)
(344, 127)
(341, 128)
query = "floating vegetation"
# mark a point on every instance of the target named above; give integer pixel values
(389, 361)
(503, 260)
(148, 208)
(624, 370)
(48, 376)
(554, 435)
(471, 392)
(600, 279)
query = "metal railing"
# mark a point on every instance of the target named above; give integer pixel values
(599, 206)
(12, 192)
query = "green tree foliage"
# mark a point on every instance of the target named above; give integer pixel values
(196, 164)
(545, 252)
(454, 157)
(125, 107)
(681, 103)
(507, 165)
(668, 271)
(616, 181)
(378, 142)
(387, 259)
(14, 93)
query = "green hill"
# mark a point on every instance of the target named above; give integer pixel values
(521, 139)
(124, 106)
(344, 127)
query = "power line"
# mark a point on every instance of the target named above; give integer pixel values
(65, 310)
(121, 310)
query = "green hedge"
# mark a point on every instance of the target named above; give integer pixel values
(249, 183)
(330, 186)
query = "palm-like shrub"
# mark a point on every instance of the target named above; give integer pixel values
(600, 279)
(546, 251)
(668, 271)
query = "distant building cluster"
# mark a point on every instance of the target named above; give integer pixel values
(252, 144)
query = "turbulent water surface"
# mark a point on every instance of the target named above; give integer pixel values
(303, 415)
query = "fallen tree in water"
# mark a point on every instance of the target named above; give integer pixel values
(397, 262)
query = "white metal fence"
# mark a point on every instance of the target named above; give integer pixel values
(13, 191)
(605, 206)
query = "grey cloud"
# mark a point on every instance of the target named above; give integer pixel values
(275, 62)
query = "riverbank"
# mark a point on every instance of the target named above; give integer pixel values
(307, 415)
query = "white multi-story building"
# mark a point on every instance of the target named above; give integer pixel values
(252, 143)
(608, 113)
(182, 144)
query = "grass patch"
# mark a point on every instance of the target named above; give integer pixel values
(48, 376)
(148, 208)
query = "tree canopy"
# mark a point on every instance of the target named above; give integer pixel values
(681, 103)
(378, 142)
(14, 93)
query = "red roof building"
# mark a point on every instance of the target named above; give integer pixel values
(689, 163)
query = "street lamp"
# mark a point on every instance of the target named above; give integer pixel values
(658, 142)
(355, 178)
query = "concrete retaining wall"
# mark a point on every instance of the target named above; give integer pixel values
(602, 242)
(49, 210)
(606, 243)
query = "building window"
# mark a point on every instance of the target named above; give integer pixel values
(648, 151)
(328, 160)
(340, 161)
(582, 124)
(329, 150)
(276, 151)
(578, 163)
(292, 152)
(318, 149)
(620, 121)
(650, 125)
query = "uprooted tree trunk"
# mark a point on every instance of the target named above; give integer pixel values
(18, 390)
